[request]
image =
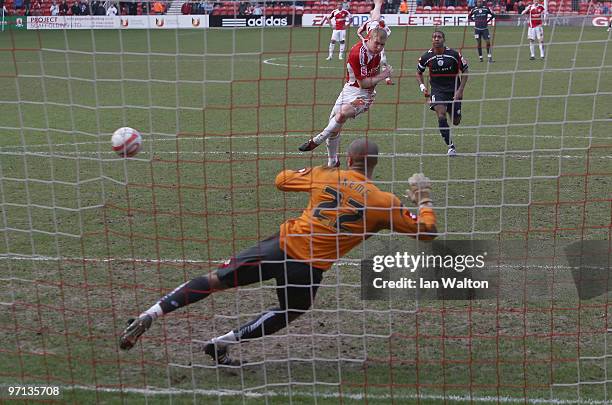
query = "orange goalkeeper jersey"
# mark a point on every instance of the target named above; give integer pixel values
(345, 209)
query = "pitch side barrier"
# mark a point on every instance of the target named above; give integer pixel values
(278, 21)
(457, 20)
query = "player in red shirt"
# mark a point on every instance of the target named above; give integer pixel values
(364, 72)
(339, 20)
(363, 32)
(535, 16)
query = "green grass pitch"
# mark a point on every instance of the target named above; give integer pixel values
(89, 239)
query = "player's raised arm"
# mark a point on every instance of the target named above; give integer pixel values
(361, 31)
(376, 11)
(422, 225)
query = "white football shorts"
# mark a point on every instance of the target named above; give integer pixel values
(338, 35)
(360, 99)
(535, 33)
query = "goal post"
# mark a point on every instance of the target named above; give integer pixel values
(90, 239)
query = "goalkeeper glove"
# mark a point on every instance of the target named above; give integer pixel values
(420, 190)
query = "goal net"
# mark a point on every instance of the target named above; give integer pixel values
(90, 239)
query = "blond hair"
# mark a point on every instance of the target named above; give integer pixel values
(379, 33)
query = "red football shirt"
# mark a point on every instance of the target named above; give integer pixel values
(361, 64)
(536, 13)
(341, 19)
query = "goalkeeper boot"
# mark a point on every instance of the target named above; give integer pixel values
(135, 329)
(309, 145)
(451, 151)
(220, 355)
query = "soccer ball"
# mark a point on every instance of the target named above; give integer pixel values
(127, 142)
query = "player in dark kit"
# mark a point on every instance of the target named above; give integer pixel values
(482, 16)
(445, 65)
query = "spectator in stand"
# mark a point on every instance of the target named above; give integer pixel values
(54, 9)
(112, 10)
(63, 8)
(74, 9)
(242, 8)
(471, 4)
(36, 9)
(208, 7)
(18, 5)
(605, 9)
(197, 8)
(403, 8)
(3, 8)
(521, 8)
(100, 10)
(158, 8)
(257, 10)
(388, 7)
(84, 8)
(144, 6)
(186, 8)
(94, 6)
(28, 5)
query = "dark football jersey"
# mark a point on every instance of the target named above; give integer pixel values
(443, 69)
(481, 17)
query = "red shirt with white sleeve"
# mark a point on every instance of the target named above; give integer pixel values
(361, 64)
(536, 14)
(341, 19)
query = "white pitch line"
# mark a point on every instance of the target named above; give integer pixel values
(333, 395)
(348, 262)
(312, 58)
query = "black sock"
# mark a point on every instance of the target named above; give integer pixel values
(185, 294)
(444, 131)
(480, 52)
(488, 50)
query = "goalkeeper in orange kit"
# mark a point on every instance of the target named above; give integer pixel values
(345, 208)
